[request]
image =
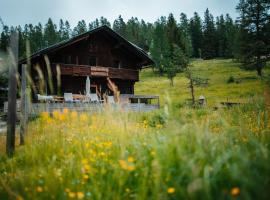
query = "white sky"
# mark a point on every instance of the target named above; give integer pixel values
(20, 12)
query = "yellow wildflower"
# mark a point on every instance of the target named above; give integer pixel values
(86, 167)
(131, 168)
(84, 161)
(45, 115)
(71, 195)
(80, 195)
(127, 190)
(19, 198)
(159, 126)
(85, 177)
(102, 154)
(61, 117)
(235, 191)
(74, 115)
(123, 164)
(171, 190)
(56, 114)
(131, 159)
(83, 118)
(39, 189)
(65, 111)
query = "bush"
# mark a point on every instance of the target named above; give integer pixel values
(157, 119)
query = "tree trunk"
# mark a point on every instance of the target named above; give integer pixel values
(192, 91)
(259, 66)
(171, 82)
(191, 86)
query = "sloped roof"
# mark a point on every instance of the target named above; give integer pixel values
(132, 47)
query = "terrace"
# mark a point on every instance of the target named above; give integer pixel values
(97, 71)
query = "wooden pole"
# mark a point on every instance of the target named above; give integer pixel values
(12, 93)
(24, 105)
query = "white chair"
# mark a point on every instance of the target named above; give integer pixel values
(111, 100)
(44, 98)
(68, 97)
(94, 97)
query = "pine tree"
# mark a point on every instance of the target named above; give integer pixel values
(221, 36)
(4, 39)
(230, 34)
(132, 28)
(173, 33)
(80, 28)
(196, 35)
(185, 39)
(50, 33)
(119, 26)
(38, 37)
(159, 48)
(104, 22)
(64, 30)
(209, 36)
(22, 43)
(254, 33)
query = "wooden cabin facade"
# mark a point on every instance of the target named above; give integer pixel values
(100, 54)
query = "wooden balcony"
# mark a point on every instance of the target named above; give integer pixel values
(96, 71)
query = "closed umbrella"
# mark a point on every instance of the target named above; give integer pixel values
(87, 86)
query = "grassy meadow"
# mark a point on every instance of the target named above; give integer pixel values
(177, 152)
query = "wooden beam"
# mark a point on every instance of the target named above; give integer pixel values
(12, 85)
(24, 105)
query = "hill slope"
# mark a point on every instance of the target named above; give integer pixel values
(247, 84)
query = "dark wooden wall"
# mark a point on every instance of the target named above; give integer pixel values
(108, 53)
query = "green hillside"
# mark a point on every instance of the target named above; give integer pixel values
(246, 85)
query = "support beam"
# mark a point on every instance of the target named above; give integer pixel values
(24, 105)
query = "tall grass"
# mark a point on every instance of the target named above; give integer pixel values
(201, 154)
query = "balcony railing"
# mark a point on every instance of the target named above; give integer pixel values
(96, 71)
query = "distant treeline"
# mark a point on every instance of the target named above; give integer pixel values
(206, 38)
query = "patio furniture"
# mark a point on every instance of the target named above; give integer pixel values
(58, 99)
(44, 98)
(111, 100)
(68, 97)
(94, 97)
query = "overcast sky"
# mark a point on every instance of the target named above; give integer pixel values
(20, 12)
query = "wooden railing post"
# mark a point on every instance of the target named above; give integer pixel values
(12, 93)
(24, 105)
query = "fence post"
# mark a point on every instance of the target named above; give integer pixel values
(12, 93)
(24, 104)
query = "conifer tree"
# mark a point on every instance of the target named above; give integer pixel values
(4, 39)
(254, 46)
(159, 48)
(185, 39)
(50, 33)
(119, 26)
(196, 35)
(209, 36)
(80, 28)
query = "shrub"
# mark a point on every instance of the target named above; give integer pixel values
(157, 119)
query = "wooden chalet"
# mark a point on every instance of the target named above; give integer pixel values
(101, 54)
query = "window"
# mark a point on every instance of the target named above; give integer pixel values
(92, 61)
